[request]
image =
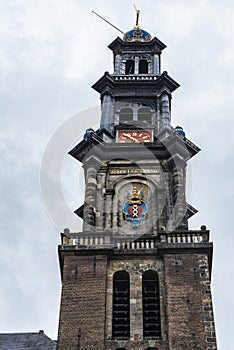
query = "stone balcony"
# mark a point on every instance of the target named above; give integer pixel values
(106, 240)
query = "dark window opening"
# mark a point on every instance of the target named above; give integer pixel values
(151, 304)
(144, 115)
(121, 305)
(130, 67)
(126, 115)
(143, 67)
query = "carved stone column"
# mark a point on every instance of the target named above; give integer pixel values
(108, 209)
(100, 208)
(156, 65)
(153, 206)
(106, 118)
(166, 115)
(90, 199)
(136, 65)
(178, 173)
(117, 64)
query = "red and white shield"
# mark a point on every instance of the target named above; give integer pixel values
(135, 210)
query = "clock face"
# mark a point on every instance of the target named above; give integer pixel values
(134, 136)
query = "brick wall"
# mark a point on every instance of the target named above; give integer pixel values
(187, 293)
(82, 310)
(186, 305)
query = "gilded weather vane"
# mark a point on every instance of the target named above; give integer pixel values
(137, 16)
(135, 34)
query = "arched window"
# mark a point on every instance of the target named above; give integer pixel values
(144, 114)
(126, 115)
(130, 67)
(143, 67)
(134, 111)
(121, 305)
(151, 304)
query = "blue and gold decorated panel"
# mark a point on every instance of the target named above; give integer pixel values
(137, 34)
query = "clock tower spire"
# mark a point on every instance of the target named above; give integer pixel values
(136, 277)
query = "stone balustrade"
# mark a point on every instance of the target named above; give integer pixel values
(136, 245)
(189, 237)
(88, 239)
(134, 77)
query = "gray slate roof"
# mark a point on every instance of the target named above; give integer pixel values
(26, 341)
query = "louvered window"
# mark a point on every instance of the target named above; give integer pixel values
(126, 115)
(121, 305)
(143, 67)
(130, 67)
(151, 304)
(144, 114)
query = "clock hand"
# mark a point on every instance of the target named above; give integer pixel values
(130, 137)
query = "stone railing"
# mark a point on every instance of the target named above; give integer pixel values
(134, 77)
(145, 243)
(85, 239)
(102, 239)
(188, 237)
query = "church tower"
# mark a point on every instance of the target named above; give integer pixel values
(136, 277)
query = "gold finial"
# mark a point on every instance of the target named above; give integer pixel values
(137, 17)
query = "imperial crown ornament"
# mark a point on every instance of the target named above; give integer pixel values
(135, 210)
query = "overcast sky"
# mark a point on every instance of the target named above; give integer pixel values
(51, 52)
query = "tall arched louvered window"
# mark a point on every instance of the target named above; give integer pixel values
(126, 115)
(143, 67)
(151, 304)
(144, 115)
(130, 67)
(121, 305)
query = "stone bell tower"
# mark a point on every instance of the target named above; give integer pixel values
(136, 277)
